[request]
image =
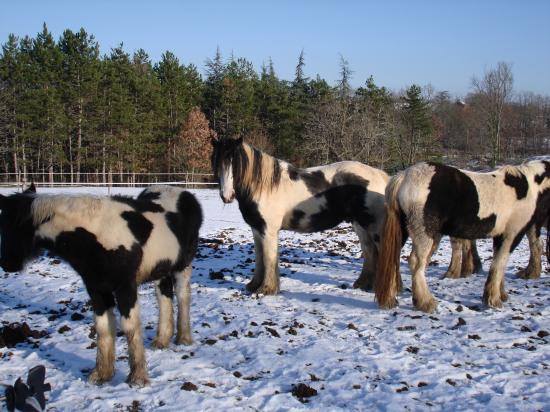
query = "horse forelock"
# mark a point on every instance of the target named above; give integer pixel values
(45, 207)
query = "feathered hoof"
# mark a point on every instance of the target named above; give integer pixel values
(253, 286)
(160, 343)
(427, 305)
(528, 274)
(363, 284)
(138, 378)
(451, 274)
(268, 290)
(97, 377)
(492, 301)
(390, 304)
(184, 340)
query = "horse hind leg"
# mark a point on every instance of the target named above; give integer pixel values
(457, 257)
(259, 269)
(422, 298)
(183, 295)
(533, 269)
(165, 293)
(369, 251)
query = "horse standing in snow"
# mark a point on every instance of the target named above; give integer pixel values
(429, 200)
(275, 195)
(114, 243)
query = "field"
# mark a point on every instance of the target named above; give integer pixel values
(254, 352)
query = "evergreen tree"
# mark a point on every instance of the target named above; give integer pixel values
(78, 90)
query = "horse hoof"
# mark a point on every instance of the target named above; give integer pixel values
(265, 290)
(451, 275)
(138, 379)
(363, 285)
(252, 287)
(427, 306)
(98, 378)
(392, 303)
(492, 302)
(159, 343)
(184, 340)
(527, 274)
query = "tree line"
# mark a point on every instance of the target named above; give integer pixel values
(64, 108)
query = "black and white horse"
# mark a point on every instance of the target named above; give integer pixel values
(275, 195)
(114, 243)
(429, 200)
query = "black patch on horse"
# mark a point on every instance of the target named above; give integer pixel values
(147, 195)
(166, 287)
(139, 205)
(295, 220)
(104, 272)
(539, 218)
(343, 204)
(315, 181)
(545, 174)
(251, 213)
(140, 227)
(519, 183)
(452, 206)
(185, 225)
(348, 178)
(276, 176)
(293, 173)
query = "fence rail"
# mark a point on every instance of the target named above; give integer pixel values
(59, 179)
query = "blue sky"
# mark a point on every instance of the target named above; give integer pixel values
(440, 42)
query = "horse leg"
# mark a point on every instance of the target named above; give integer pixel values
(128, 305)
(457, 256)
(535, 252)
(165, 292)
(369, 251)
(105, 326)
(183, 295)
(270, 247)
(422, 297)
(259, 270)
(494, 293)
(471, 263)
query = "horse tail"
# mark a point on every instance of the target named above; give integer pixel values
(191, 218)
(388, 279)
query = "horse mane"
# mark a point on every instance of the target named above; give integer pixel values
(514, 170)
(44, 207)
(255, 172)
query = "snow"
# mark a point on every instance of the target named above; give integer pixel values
(249, 351)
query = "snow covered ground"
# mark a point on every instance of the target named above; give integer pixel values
(251, 351)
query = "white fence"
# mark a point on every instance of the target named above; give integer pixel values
(57, 179)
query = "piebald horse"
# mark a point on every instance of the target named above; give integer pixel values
(429, 200)
(275, 195)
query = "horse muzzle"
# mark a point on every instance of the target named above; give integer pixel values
(229, 199)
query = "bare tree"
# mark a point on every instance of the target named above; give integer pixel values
(494, 90)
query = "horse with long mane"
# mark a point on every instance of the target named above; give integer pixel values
(114, 243)
(275, 195)
(429, 200)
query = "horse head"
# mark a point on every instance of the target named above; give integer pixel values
(223, 165)
(16, 231)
